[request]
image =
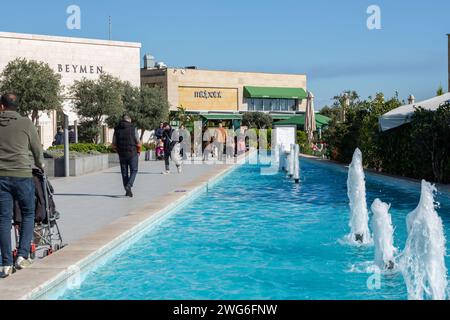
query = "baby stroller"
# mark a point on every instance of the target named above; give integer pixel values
(159, 153)
(47, 236)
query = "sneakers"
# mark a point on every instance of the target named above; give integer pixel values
(166, 172)
(6, 271)
(179, 169)
(22, 263)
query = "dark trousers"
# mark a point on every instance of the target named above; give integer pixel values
(129, 170)
(23, 191)
(166, 159)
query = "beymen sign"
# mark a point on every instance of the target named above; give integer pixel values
(74, 68)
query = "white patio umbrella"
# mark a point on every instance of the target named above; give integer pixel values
(310, 117)
(403, 114)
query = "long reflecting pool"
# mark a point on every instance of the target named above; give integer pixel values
(255, 236)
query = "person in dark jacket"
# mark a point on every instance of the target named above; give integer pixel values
(59, 137)
(72, 138)
(168, 143)
(159, 132)
(127, 144)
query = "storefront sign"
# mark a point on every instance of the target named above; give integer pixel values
(210, 99)
(208, 94)
(75, 68)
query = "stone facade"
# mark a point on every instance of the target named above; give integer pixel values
(74, 59)
(179, 81)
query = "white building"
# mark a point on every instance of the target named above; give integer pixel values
(74, 59)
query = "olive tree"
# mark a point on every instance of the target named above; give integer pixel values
(147, 107)
(98, 101)
(257, 120)
(36, 85)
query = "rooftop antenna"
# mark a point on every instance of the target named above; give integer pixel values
(109, 25)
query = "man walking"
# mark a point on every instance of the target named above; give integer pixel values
(167, 140)
(18, 138)
(127, 144)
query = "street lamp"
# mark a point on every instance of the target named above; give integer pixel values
(66, 146)
(346, 105)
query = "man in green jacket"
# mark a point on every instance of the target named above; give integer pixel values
(18, 137)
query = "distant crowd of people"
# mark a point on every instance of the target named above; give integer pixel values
(59, 137)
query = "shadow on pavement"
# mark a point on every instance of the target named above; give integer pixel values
(87, 195)
(144, 172)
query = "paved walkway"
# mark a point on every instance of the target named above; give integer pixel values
(90, 202)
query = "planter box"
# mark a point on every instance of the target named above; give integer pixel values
(113, 158)
(77, 166)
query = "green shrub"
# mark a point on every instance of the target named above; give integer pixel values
(302, 141)
(58, 153)
(419, 150)
(85, 148)
(95, 148)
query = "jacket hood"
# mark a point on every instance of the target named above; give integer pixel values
(8, 117)
(124, 124)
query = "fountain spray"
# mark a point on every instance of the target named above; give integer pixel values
(356, 190)
(423, 260)
(383, 235)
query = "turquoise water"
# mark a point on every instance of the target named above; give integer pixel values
(260, 237)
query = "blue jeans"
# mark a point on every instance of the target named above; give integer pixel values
(129, 170)
(23, 191)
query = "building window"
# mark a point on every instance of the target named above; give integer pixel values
(251, 105)
(292, 105)
(259, 105)
(272, 104)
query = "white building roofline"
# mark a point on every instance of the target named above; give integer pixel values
(24, 36)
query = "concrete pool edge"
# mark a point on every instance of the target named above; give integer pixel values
(55, 271)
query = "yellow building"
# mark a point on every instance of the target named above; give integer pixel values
(225, 92)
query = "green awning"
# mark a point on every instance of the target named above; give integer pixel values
(299, 121)
(275, 93)
(208, 116)
(280, 116)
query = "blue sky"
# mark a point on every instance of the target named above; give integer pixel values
(327, 40)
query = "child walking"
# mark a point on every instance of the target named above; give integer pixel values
(177, 154)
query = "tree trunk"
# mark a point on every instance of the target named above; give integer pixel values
(35, 117)
(98, 128)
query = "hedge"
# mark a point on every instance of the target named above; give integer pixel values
(89, 148)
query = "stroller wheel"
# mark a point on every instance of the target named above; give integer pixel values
(47, 252)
